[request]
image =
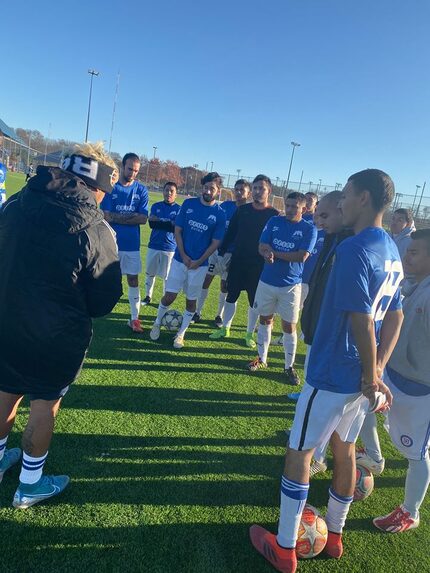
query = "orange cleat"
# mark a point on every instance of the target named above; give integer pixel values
(135, 325)
(334, 546)
(283, 560)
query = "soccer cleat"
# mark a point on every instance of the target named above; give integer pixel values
(10, 458)
(334, 547)
(218, 321)
(29, 494)
(292, 378)
(283, 560)
(155, 332)
(178, 341)
(256, 364)
(223, 332)
(316, 468)
(146, 300)
(135, 325)
(249, 340)
(196, 318)
(362, 458)
(293, 396)
(397, 521)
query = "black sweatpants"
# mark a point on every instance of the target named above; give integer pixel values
(243, 275)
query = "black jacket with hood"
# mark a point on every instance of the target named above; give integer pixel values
(58, 268)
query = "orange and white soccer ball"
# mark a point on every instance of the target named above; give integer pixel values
(364, 483)
(312, 535)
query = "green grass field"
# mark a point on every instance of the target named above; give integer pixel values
(172, 455)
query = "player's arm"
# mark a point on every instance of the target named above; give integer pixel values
(180, 244)
(211, 249)
(128, 218)
(265, 250)
(293, 256)
(390, 331)
(161, 225)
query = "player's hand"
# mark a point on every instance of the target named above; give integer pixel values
(194, 265)
(186, 260)
(378, 394)
(269, 257)
(153, 218)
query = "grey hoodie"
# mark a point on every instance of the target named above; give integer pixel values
(411, 356)
(403, 239)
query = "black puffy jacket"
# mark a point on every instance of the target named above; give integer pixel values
(58, 268)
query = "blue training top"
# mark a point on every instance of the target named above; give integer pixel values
(162, 240)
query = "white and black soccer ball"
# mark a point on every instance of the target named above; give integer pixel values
(172, 320)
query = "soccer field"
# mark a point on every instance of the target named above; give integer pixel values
(173, 454)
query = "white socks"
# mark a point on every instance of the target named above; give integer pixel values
(337, 510)
(221, 303)
(187, 317)
(149, 285)
(290, 347)
(202, 299)
(264, 335)
(3, 442)
(134, 300)
(417, 482)
(31, 469)
(369, 437)
(160, 313)
(293, 501)
(229, 312)
(252, 320)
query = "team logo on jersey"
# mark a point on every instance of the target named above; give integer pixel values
(406, 441)
(274, 228)
(198, 226)
(114, 195)
(189, 211)
(298, 234)
(212, 218)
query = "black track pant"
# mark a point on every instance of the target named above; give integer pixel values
(243, 276)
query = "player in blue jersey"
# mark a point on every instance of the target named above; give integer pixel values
(357, 329)
(3, 171)
(219, 265)
(162, 243)
(126, 209)
(199, 228)
(311, 205)
(285, 244)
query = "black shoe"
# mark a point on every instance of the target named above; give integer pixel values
(146, 300)
(218, 321)
(196, 318)
(292, 378)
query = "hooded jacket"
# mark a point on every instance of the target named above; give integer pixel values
(403, 239)
(58, 268)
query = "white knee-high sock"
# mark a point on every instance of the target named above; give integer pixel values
(160, 313)
(149, 285)
(290, 347)
(3, 443)
(252, 320)
(369, 437)
(264, 335)
(186, 321)
(229, 312)
(202, 299)
(221, 303)
(293, 501)
(337, 511)
(417, 483)
(31, 469)
(134, 300)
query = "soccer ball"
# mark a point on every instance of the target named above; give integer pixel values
(312, 535)
(364, 483)
(172, 320)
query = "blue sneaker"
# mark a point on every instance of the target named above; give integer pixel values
(28, 494)
(293, 396)
(10, 458)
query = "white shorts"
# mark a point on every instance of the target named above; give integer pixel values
(219, 265)
(319, 413)
(408, 422)
(158, 263)
(130, 262)
(284, 301)
(304, 294)
(189, 281)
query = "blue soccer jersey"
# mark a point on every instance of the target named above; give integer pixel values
(284, 236)
(311, 261)
(161, 240)
(124, 200)
(200, 224)
(365, 279)
(308, 217)
(229, 208)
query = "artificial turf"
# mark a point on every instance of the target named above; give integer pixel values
(173, 454)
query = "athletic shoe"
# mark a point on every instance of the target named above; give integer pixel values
(334, 547)
(366, 461)
(146, 300)
(218, 321)
(249, 340)
(28, 494)
(283, 560)
(316, 468)
(256, 364)
(397, 521)
(293, 396)
(178, 341)
(292, 378)
(223, 332)
(10, 458)
(155, 332)
(135, 325)
(196, 318)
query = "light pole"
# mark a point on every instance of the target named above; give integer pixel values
(415, 196)
(294, 144)
(195, 165)
(319, 186)
(212, 165)
(29, 144)
(238, 173)
(154, 147)
(421, 198)
(92, 74)
(301, 179)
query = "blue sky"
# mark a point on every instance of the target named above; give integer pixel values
(233, 82)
